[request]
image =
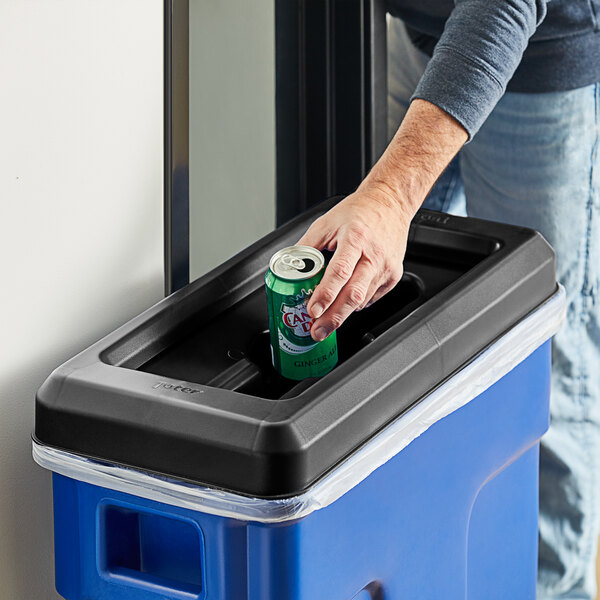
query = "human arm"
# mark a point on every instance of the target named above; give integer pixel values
(368, 229)
(480, 48)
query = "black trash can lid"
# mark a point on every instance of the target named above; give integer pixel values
(186, 389)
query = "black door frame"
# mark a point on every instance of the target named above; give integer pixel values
(176, 145)
(331, 98)
(331, 109)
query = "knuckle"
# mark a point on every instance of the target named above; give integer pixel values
(377, 253)
(357, 234)
(325, 295)
(336, 320)
(374, 255)
(395, 274)
(356, 295)
(366, 301)
(342, 269)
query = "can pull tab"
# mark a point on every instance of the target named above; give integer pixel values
(292, 262)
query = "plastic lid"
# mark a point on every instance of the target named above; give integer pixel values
(141, 396)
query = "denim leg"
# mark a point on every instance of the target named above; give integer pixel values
(536, 163)
(405, 67)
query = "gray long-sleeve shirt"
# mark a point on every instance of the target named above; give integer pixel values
(480, 48)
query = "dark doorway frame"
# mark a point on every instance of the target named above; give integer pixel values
(331, 98)
(331, 109)
(176, 145)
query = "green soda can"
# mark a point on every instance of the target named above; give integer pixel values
(291, 279)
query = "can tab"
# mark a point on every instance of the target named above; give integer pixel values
(293, 262)
(302, 265)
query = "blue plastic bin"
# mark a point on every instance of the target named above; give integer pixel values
(441, 504)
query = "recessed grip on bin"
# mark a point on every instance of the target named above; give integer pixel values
(154, 552)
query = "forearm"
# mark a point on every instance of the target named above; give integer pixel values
(425, 143)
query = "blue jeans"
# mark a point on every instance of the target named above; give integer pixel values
(536, 162)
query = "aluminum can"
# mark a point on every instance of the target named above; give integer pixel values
(293, 274)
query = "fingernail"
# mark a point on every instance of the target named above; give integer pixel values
(321, 333)
(317, 310)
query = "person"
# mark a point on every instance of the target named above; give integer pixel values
(495, 110)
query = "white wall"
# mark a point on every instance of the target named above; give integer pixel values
(80, 222)
(232, 127)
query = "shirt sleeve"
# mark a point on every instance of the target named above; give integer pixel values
(480, 49)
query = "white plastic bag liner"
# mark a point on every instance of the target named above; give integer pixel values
(487, 368)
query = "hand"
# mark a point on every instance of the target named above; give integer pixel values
(368, 232)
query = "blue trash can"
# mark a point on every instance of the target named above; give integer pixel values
(185, 468)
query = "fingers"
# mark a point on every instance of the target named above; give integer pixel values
(383, 289)
(360, 272)
(338, 272)
(352, 295)
(314, 236)
(373, 287)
